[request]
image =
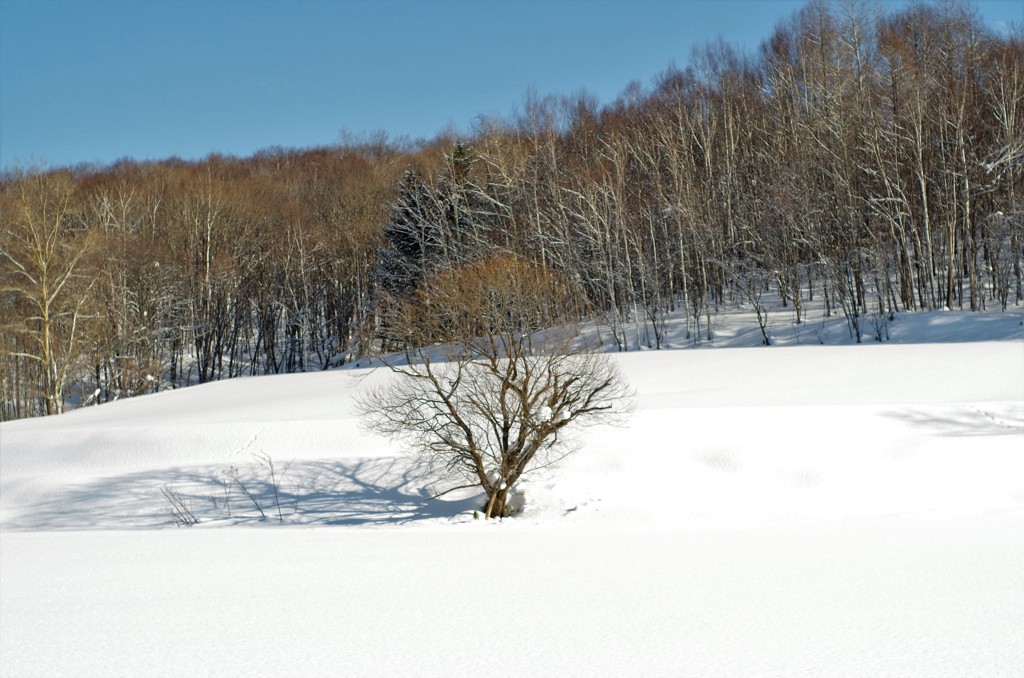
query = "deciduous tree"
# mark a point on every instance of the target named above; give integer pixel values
(495, 378)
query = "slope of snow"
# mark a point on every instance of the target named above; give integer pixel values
(791, 510)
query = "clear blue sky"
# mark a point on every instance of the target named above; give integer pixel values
(98, 80)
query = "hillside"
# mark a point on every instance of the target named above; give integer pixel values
(844, 510)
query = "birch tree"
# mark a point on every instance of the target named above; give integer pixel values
(43, 255)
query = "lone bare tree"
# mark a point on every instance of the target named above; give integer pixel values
(494, 374)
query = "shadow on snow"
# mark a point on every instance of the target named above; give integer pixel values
(966, 421)
(386, 491)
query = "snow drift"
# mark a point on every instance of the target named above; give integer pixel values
(802, 509)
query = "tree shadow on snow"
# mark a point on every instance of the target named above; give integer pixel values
(968, 421)
(358, 492)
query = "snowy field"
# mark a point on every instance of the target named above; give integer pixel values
(795, 510)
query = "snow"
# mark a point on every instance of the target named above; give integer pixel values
(800, 509)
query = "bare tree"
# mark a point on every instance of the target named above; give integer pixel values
(43, 249)
(752, 279)
(494, 377)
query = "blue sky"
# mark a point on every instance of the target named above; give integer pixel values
(98, 80)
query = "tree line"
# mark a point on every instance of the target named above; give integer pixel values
(870, 161)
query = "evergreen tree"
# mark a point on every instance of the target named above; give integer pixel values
(436, 226)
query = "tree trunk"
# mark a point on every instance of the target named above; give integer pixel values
(497, 503)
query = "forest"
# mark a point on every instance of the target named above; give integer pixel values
(872, 162)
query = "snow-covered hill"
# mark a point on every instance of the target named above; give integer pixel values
(793, 510)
